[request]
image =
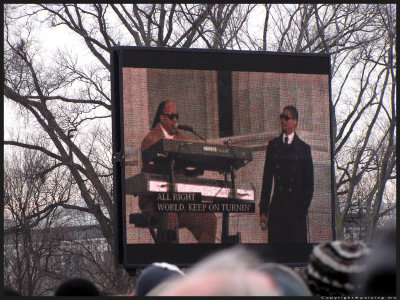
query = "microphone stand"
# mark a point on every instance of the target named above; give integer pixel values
(225, 237)
(190, 129)
(198, 135)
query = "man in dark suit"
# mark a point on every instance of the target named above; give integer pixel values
(202, 225)
(289, 170)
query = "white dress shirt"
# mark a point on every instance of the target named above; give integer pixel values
(290, 136)
(166, 134)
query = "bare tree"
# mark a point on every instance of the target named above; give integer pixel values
(62, 115)
(33, 194)
(47, 242)
(366, 131)
(67, 98)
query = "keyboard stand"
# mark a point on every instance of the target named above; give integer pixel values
(225, 237)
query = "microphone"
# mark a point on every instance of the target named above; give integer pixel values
(184, 127)
(188, 128)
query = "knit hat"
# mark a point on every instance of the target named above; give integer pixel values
(334, 267)
(153, 275)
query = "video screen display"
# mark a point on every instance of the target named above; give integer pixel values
(201, 159)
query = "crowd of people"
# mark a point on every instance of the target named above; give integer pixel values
(335, 268)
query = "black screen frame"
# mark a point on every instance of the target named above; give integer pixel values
(132, 256)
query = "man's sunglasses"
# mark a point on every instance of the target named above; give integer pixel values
(172, 116)
(285, 117)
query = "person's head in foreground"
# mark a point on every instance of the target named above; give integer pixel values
(77, 287)
(290, 282)
(155, 274)
(230, 272)
(380, 278)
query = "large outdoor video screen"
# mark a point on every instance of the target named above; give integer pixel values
(183, 192)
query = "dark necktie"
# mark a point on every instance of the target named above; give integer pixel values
(286, 140)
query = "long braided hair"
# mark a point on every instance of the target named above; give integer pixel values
(160, 110)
